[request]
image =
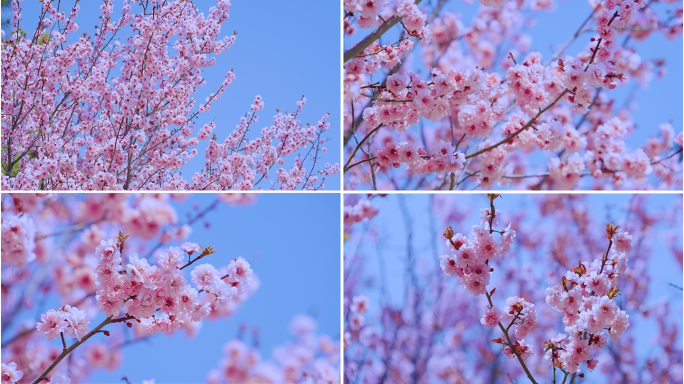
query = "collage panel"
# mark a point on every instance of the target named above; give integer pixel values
(168, 95)
(512, 95)
(513, 288)
(170, 288)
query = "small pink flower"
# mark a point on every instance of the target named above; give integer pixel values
(239, 270)
(359, 304)
(171, 258)
(10, 373)
(619, 325)
(77, 322)
(51, 323)
(591, 364)
(191, 248)
(491, 318)
(448, 264)
(622, 241)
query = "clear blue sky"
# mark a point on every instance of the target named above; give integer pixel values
(659, 103)
(284, 49)
(662, 266)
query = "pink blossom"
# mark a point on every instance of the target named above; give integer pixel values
(205, 276)
(618, 326)
(18, 236)
(491, 318)
(191, 248)
(492, 3)
(77, 321)
(51, 323)
(591, 364)
(397, 82)
(10, 373)
(622, 241)
(359, 304)
(448, 264)
(171, 258)
(597, 283)
(466, 256)
(239, 270)
(200, 311)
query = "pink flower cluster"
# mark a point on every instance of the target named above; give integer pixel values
(522, 314)
(67, 320)
(358, 307)
(363, 210)
(147, 289)
(369, 12)
(18, 239)
(311, 358)
(241, 164)
(586, 298)
(446, 158)
(523, 348)
(473, 254)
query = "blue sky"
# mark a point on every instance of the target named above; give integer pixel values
(284, 49)
(662, 266)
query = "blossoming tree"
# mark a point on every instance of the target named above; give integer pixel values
(476, 107)
(115, 109)
(541, 293)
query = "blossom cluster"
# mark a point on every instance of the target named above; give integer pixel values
(366, 14)
(471, 265)
(359, 306)
(68, 319)
(586, 296)
(18, 234)
(311, 358)
(145, 289)
(445, 158)
(473, 253)
(363, 210)
(496, 108)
